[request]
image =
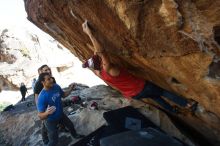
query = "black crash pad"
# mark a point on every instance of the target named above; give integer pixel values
(143, 137)
(93, 138)
(124, 120)
(127, 118)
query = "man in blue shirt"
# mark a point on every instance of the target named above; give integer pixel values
(37, 89)
(50, 108)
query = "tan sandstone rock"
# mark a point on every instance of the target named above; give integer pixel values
(174, 43)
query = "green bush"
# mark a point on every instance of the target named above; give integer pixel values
(25, 52)
(3, 105)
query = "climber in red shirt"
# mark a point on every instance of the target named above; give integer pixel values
(129, 85)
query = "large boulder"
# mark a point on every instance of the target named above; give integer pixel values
(173, 43)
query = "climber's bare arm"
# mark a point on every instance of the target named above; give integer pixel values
(106, 64)
(96, 44)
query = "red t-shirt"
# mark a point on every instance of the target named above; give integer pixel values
(125, 82)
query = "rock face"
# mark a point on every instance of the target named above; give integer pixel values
(173, 43)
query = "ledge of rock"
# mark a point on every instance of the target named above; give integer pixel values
(173, 43)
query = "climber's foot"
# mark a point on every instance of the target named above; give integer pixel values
(86, 28)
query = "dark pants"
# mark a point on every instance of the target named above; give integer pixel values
(155, 92)
(44, 133)
(52, 129)
(23, 96)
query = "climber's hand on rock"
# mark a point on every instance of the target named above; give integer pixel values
(86, 28)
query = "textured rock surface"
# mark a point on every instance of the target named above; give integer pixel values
(173, 43)
(21, 126)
